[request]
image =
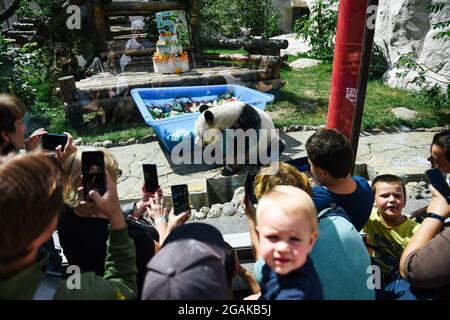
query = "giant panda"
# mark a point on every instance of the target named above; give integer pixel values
(238, 115)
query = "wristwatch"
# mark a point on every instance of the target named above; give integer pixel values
(435, 216)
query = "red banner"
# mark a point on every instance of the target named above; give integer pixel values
(346, 64)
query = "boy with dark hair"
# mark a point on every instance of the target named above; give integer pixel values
(331, 159)
(388, 231)
(31, 186)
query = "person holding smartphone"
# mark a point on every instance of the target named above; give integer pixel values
(34, 183)
(425, 262)
(83, 226)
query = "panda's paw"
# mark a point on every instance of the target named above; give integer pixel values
(227, 171)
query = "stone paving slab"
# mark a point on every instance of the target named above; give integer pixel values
(399, 153)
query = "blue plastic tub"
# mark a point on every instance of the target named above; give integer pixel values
(184, 124)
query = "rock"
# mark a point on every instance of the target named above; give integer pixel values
(404, 26)
(297, 127)
(241, 211)
(303, 63)
(237, 197)
(404, 113)
(78, 141)
(193, 214)
(295, 45)
(147, 139)
(200, 215)
(122, 143)
(420, 129)
(108, 144)
(97, 144)
(403, 128)
(376, 130)
(228, 209)
(215, 212)
(437, 129)
(131, 141)
(205, 210)
(422, 184)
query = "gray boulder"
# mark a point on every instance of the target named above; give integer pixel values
(228, 209)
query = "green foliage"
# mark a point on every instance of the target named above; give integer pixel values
(45, 9)
(432, 94)
(435, 8)
(227, 18)
(319, 29)
(25, 73)
(378, 63)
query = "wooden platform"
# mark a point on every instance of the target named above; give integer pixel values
(258, 78)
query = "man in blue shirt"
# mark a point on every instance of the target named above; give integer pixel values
(331, 159)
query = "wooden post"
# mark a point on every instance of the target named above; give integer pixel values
(100, 25)
(71, 107)
(194, 26)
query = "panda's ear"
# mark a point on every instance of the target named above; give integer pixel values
(209, 117)
(203, 108)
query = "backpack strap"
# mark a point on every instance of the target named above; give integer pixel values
(48, 286)
(333, 211)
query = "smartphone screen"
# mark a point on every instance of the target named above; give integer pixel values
(150, 177)
(180, 198)
(52, 140)
(249, 187)
(93, 169)
(438, 181)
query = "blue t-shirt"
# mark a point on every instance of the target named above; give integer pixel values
(300, 284)
(357, 205)
(341, 261)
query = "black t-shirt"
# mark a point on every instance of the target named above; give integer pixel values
(84, 242)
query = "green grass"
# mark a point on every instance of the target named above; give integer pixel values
(304, 101)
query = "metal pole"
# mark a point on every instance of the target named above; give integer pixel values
(369, 32)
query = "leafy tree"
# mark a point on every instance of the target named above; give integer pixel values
(228, 17)
(319, 29)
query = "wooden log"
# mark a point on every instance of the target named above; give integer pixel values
(67, 88)
(18, 33)
(236, 57)
(138, 53)
(23, 26)
(248, 43)
(132, 8)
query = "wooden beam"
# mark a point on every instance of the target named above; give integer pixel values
(250, 43)
(236, 57)
(100, 25)
(132, 8)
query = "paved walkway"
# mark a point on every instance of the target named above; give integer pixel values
(399, 153)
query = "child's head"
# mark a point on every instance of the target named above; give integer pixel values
(31, 188)
(286, 175)
(330, 155)
(390, 195)
(287, 226)
(12, 129)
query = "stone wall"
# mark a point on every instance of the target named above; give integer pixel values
(406, 26)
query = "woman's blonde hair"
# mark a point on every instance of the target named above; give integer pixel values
(286, 174)
(294, 202)
(72, 171)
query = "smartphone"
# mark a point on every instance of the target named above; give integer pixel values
(150, 177)
(438, 181)
(180, 198)
(93, 170)
(249, 187)
(51, 140)
(302, 165)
